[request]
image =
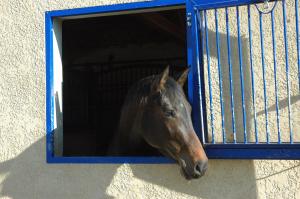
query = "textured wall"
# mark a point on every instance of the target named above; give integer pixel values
(23, 171)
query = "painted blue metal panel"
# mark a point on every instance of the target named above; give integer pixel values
(196, 62)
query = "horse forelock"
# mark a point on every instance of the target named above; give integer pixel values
(142, 92)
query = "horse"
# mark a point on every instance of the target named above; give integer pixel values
(156, 117)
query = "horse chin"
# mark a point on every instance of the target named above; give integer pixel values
(183, 171)
(184, 174)
(180, 161)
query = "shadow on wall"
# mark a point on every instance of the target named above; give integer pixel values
(281, 104)
(28, 176)
(236, 86)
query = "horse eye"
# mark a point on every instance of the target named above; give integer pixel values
(170, 113)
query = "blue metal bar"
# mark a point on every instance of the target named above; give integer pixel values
(241, 73)
(115, 8)
(49, 86)
(298, 39)
(202, 74)
(112, 160)
(253, 151)
(199, 74)
(222, 3)
(213, 151)
(220, 76)
(230, 75)
(275, 75)
(264, 76)
(192, 76)
(252, 73)
(209, 79)
(287, 68)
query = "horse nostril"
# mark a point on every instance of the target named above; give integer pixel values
(200, 169)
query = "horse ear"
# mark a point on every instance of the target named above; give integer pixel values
(182, 78)
(161, 80)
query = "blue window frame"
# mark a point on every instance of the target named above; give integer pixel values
(199, 85)
(54, 70)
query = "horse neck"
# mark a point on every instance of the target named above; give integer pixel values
(129, 134)
(128, 137)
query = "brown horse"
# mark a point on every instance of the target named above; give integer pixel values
(156, 116)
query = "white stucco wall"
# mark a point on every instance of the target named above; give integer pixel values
(23, 169)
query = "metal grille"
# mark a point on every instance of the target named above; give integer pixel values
(251, 72)
(107, 84)
(93, 97)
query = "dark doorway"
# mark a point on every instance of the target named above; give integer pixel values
(102, 58)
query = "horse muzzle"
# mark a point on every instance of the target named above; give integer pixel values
(193, 171)
(200, 168)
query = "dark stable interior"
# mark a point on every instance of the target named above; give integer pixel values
(102, 58)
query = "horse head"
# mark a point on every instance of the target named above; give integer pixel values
(167, 124)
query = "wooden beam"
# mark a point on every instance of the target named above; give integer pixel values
(165, 25)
